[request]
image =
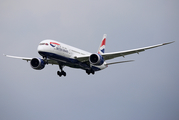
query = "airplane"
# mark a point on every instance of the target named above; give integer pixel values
(60, 54)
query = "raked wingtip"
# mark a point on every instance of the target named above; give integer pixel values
(168, 43)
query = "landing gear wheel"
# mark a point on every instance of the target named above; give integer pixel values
(59, 73)
(63, 73)
(90, 71)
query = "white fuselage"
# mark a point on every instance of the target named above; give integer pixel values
(65, 54)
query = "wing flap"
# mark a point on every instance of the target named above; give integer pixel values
(119, 62)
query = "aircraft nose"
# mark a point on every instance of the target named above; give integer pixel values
(40, 48)
(43, 46)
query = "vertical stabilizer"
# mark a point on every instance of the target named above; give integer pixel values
(101, 49)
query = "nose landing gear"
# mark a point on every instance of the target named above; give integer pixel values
(62, 72)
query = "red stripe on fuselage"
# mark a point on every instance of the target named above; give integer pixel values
(54, 43)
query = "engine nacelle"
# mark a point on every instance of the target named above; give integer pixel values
(37, 63)
(96, 59)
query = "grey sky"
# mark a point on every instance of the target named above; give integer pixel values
(144, 89)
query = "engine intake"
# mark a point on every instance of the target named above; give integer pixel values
(96, 59)
(37, 63)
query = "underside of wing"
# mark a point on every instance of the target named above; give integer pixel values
(53, 62)
(112, 55)
(83, 58)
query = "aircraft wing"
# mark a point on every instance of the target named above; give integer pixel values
(22, 58)
(83, 58)
(108, 56)
(112, 55)
(29, 59)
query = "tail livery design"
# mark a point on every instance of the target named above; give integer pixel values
(101, 49)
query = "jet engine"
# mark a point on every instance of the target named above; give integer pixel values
(37, 63)
(96, 59)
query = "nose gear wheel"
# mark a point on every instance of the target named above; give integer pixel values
(62, 72)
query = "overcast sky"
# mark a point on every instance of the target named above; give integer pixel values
(146, 89)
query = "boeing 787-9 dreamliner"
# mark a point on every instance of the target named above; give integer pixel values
(60, 54)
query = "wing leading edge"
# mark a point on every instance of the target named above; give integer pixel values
(22, 58)
(111, 55)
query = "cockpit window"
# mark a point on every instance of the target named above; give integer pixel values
(43, 44)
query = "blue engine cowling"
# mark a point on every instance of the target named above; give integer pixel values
(37, 63)
(96, 59)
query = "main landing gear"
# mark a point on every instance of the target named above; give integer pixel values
(90, 71)
(62, 72)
